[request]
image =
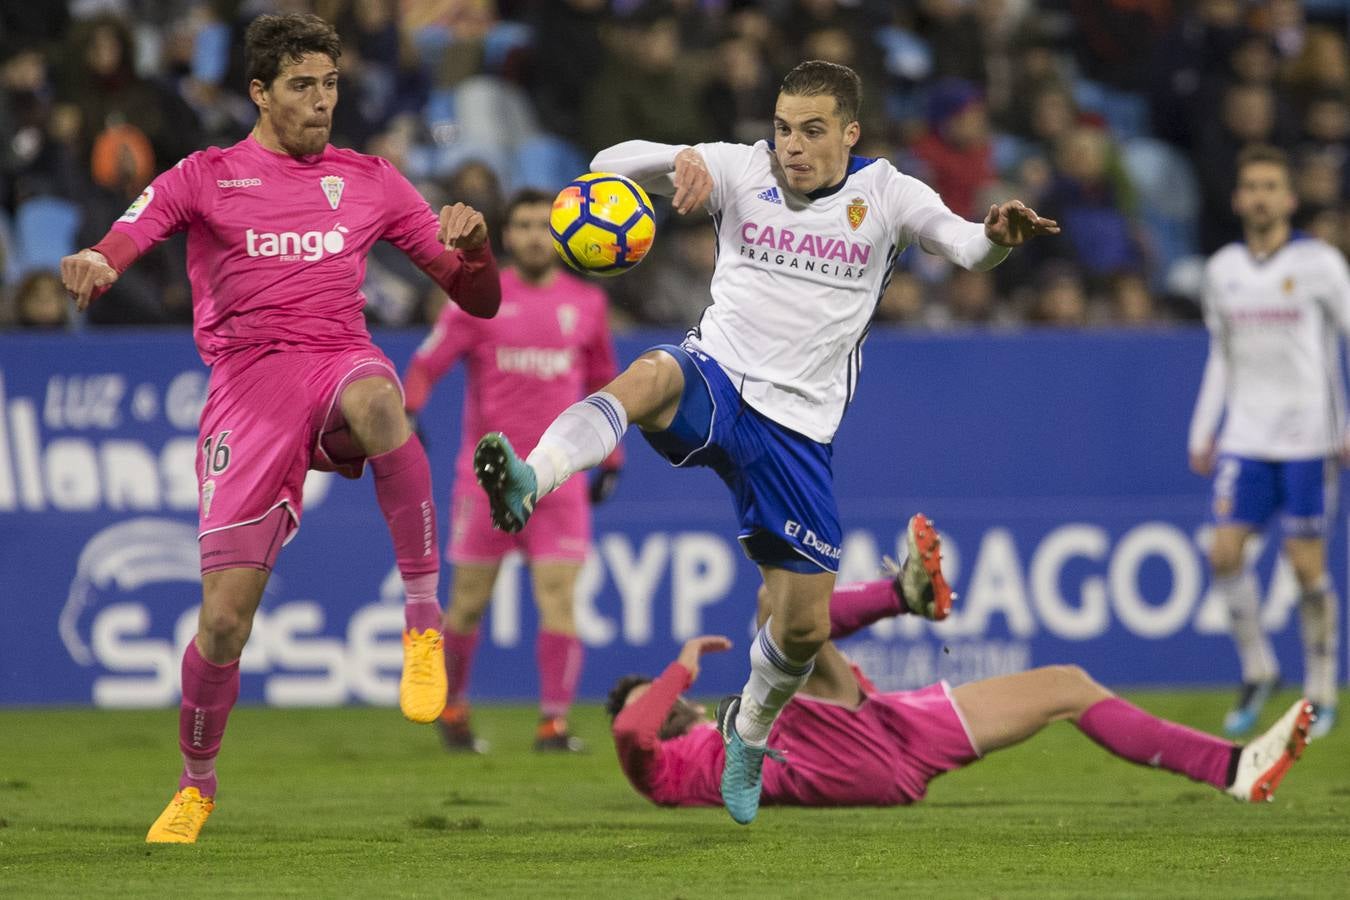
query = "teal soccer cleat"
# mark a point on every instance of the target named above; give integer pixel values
(742, 770)
(1324, 717)
(1242, 718)
(509, 482)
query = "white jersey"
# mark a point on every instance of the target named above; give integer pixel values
(1274, 362)
(798, 278)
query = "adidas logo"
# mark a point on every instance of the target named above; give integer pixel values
(771, 195)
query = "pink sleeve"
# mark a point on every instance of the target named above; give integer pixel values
(600, 365)
(445, 346)
(469, 277)
(637, 729)
(166, 206)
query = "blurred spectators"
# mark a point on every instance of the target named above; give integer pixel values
(1120, 117)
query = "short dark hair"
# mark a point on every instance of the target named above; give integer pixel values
(1263, 153)
(525, 197)
(816, 77)
(275, 41)
(619, 693)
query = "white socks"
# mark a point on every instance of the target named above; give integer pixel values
(580, 438)
(773, 681)
(1318, 619)
(1240, 593)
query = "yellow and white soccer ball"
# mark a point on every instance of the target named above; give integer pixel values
(602, 224)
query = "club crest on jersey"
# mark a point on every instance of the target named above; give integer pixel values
(332, 189)
(567, 319)
(857, 211)
(1289, 285)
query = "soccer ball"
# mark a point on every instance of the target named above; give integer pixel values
(602, 224)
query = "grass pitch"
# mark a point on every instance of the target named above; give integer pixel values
(357, 802)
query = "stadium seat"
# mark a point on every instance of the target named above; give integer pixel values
(1126, 113)
(45, 229)
(1169, 199)
(547, 162)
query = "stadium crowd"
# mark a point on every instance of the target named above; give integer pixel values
(1120, 118)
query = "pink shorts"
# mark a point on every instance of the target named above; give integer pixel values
(883, 753)
(559, 529)
(269, 418)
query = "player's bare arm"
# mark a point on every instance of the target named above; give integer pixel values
(1013, 223)
(694, 648)
(84, 272)
(1203, 463)
(462, 228)
(693, 182)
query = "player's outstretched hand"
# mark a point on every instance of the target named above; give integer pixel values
(693, 183)
(1013, 223)
(462, 228)
(85, 274)
(603, 485)
(694, 648)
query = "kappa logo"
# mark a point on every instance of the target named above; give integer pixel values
(771, 195)
(857, 211)
(238, 182)
(332, 189)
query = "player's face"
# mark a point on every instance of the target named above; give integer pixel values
(527, 240)
(810, 141)
(1264, 196)
(297, 107)
(682, 716)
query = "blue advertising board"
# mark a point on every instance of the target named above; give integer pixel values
(1054, 464)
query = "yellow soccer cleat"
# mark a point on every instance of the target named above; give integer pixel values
(421, 690)
(182, 819)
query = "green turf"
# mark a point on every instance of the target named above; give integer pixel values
(356, 802)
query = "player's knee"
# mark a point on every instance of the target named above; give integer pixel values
(802, 637)
(224, 627)
(1225, 561)
(376, 416)
(762, 604)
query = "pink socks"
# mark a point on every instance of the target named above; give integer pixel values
(403, 489)
(559, 656)
(855, 606)
(209, 692)
(1130, 733)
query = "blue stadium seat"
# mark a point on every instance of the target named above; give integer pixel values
(45, 230)
(1126, 113)
(1169, 199)
(547, 162)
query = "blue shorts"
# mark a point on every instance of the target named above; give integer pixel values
(1249, 491)
(781, 481)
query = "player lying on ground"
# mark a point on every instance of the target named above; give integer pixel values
(278, 230)
(841, 742)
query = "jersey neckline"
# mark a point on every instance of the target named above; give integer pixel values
(855, 164)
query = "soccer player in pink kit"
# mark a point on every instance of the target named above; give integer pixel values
(841, 742)
(548, 346)
(278, 230)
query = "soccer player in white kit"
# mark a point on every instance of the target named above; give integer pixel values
(807, 237)
(1275, 305)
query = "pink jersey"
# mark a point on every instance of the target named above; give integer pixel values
(277, 244)
(881, 753)
(547, 347)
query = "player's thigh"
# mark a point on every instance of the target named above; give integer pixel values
(649, 390)
(832, 678)
(372, 406)
(555, 585)
(470, 593)
(473, 540)
(1246, 495)
(799, 603)
(1008, 709)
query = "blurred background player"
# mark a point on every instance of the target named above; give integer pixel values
(548, 346)
(1276, 305)
(808, 235)
(844, 743)
(296, 382)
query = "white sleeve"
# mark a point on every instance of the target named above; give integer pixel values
(922, 217)
(648, 163)
(1214, 384)
(1337, 296)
